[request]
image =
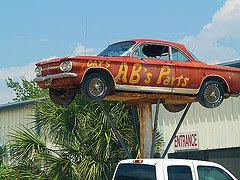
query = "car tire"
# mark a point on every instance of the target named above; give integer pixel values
(94, 87)
(211, 94)
(61, 97)
(174, 108)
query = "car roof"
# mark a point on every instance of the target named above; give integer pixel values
(155, 41)
(170, 43)
(159, 41)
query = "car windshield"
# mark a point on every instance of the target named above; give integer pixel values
(118, 49)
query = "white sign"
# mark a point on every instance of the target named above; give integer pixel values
(186, 141)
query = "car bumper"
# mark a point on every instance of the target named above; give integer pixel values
(54, 76)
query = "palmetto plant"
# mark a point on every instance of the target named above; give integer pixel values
(80, 142)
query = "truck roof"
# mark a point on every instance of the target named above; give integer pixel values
(162, 163)
(155, 161)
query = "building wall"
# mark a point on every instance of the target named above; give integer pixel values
(228, 157)
(217, 128)
(13, 118)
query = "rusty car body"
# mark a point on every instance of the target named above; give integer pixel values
(140, 65)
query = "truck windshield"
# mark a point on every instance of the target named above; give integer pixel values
(118, 49)
(135, 171)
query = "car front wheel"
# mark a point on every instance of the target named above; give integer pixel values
(95, 87)
(211, 94)
(61, 97)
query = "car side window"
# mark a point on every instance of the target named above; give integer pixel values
(178, 55)
(152, 51)
(139, 53)
(136, 53)
(208, 172)
(179, 172)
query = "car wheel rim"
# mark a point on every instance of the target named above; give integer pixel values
(96, 87)
(212, 93)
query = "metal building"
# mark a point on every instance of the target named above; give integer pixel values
(13, 116)
(206, 134)
(211, 128)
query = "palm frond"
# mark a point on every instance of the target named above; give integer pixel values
(26, 144)
(60, 167)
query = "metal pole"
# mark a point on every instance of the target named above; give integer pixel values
(115, 131)
(155, 128)
(176, 130)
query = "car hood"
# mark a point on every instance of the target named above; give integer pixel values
(73, 58)
(55, 60)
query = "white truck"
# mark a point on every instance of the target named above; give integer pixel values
(170, 169)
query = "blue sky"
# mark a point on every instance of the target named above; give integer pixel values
(33, 30)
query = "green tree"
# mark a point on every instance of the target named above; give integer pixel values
(26, 89)
(75, 141)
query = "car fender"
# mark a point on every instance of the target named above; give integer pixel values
(213, 76)
(96, 68)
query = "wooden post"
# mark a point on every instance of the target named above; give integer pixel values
(145, 118)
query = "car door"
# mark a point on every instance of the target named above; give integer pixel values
(156, 69)
(187, 72)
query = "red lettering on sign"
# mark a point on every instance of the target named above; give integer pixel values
(186, 141)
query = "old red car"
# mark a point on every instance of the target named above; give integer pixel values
(140, 65)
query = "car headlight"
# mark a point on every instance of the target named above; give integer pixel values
(38, 71)
(66, 66)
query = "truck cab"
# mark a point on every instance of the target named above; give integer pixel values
(170, 169)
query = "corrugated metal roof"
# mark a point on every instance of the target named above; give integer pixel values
(235, 63)
(19, 104)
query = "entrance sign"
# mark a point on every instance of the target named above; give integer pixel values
(186, 141)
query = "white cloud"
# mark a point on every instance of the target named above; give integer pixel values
(49, 58)
(225, 25)
(80, 49)
(26, 71)
(6, 93)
